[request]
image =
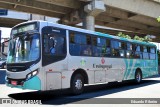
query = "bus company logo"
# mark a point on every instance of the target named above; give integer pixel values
(102, 61)
(14, 70)
(83, 62)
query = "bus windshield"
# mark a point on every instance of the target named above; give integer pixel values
(24, 48)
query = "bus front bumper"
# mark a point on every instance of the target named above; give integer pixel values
(34, 83)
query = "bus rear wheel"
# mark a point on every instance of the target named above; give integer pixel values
(77, 84)
(138, 77)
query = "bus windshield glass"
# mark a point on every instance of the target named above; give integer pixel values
(24, 48)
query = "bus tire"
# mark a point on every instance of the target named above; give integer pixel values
(138, 77)
(77, 84)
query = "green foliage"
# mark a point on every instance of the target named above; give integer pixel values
(158, 19)
(136, 37)
(120, 34)
(147, 39)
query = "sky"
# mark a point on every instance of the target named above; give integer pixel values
(5, 32)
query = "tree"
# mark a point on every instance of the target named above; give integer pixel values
(158, 19)
(147, 39)
(120, 34)
(136, 37)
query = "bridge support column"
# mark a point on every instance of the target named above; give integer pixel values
(94, 8)
(85, 15)
(89, 22)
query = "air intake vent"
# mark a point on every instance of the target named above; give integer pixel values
(16, 67)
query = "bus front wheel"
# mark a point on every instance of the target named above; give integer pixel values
(138, 77)
(77, 84)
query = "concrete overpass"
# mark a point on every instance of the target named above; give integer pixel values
(137, 16)
(13, 17)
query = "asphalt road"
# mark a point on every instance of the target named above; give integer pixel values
(96, 94)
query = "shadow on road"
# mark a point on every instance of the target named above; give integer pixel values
(58, 97)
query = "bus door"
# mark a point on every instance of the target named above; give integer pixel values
(54, 54)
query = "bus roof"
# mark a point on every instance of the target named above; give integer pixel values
(90, 32)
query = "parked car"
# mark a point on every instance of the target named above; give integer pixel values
(2, 63)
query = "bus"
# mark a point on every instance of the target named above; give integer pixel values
(48, 56)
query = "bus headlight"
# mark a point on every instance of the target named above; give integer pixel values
(34, 72)
(30, 75)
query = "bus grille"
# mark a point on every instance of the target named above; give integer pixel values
(16, 68)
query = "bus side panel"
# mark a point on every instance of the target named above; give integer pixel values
(66, 78)
(53, 81)
(131, 66)
(152, 68)
(53, 74)
(111, 70)
(148, 68)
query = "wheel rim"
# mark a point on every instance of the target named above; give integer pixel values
(78, 84)
(138, 77)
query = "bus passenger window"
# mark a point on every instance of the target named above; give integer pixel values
(72, 37)
(86, 50)
(88, 40)
(138, 53)
(115, 44)
(108, 43)
(108, 52)
(96, 51)
(137, 48)
(152, 54)
(152, 50)
(108, 49)
(144, 48)
(145, 52)
(121, 53)
(94, 41)
(129, 46)
(122, 45)
(118, 49)
(128, 54)
(80, 38)
(74, 47)
(115, 53)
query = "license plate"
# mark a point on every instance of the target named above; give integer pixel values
(14, 82)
